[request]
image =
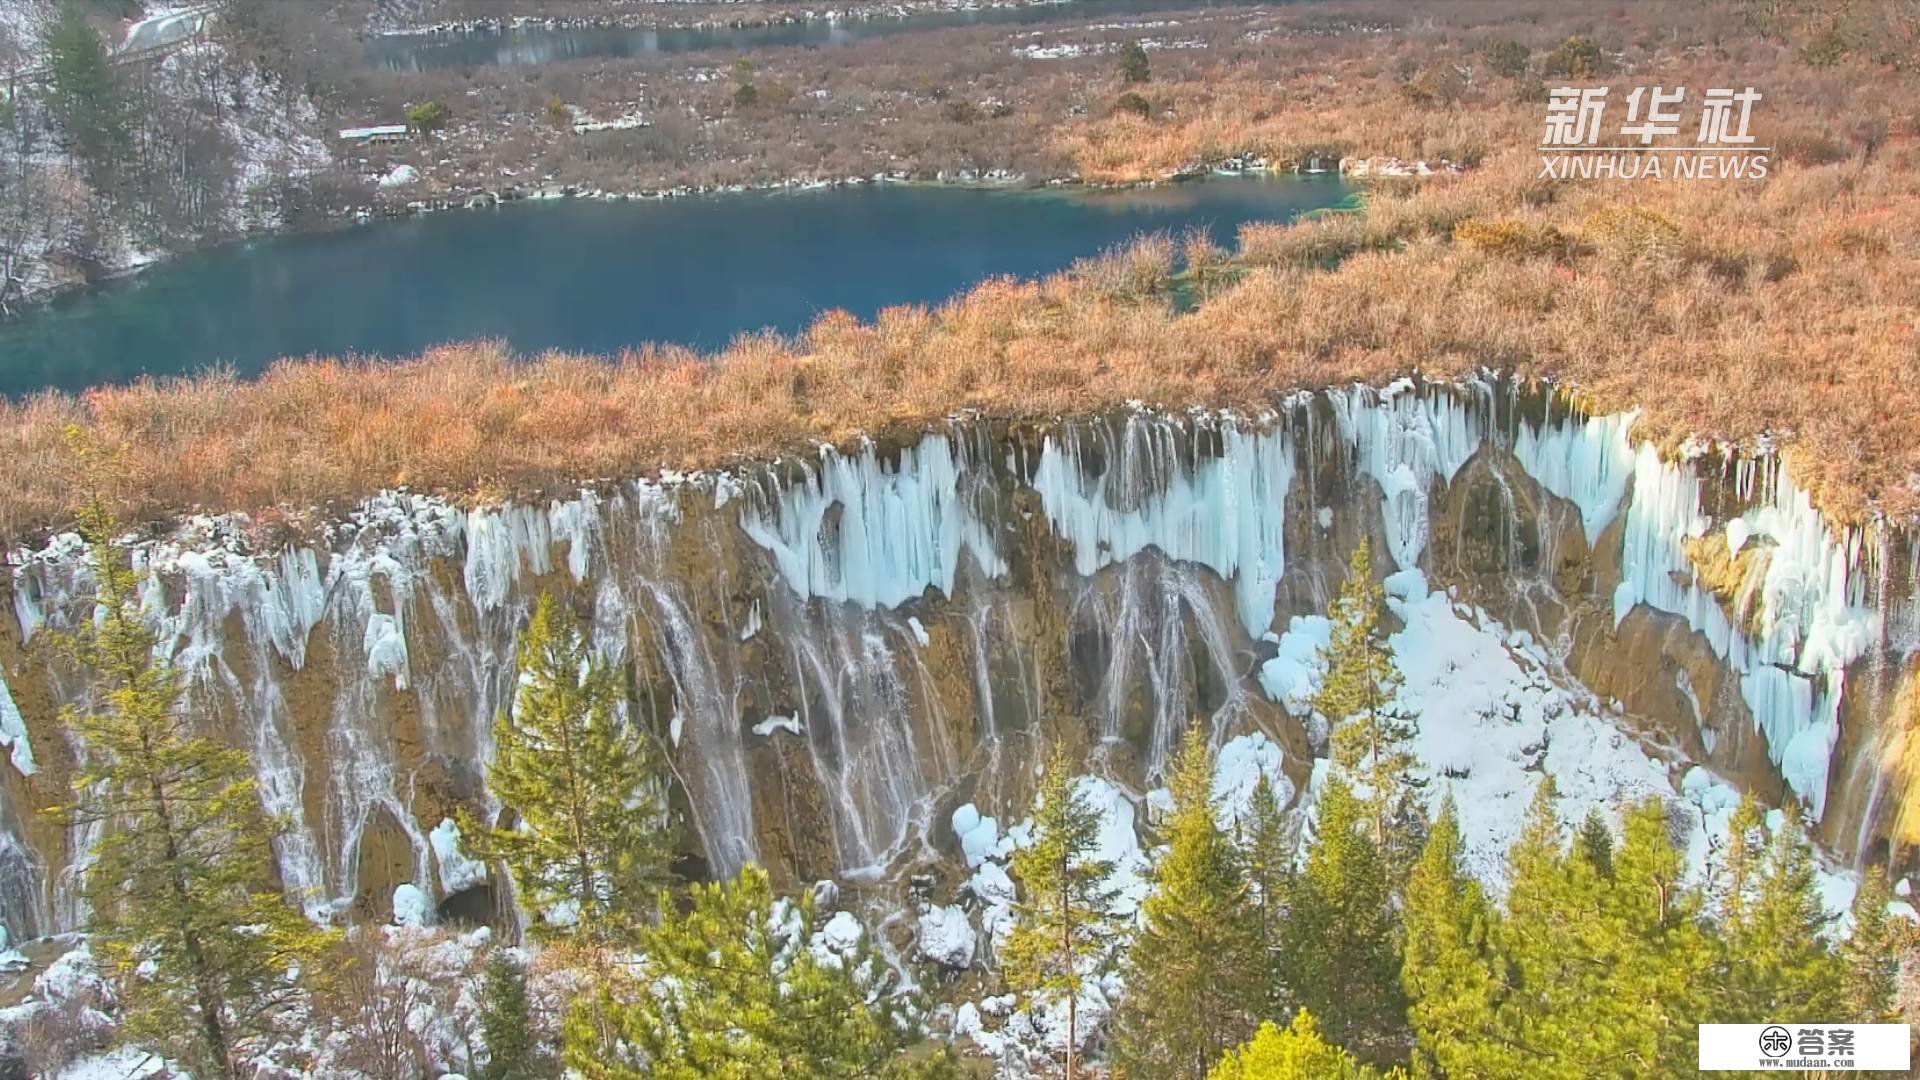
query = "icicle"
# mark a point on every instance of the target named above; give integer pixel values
(1588, 462)
(1227, 514)
(898, 533)
(1813, 621)
(13, 731)
(1404, 440)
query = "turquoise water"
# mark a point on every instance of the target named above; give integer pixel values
(594, 276)
(544, 45)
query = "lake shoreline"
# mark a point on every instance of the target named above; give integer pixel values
(348, 217)
(599, 272)
(899, 10)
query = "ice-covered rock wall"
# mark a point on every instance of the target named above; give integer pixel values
(839, 651)
(1811, 605)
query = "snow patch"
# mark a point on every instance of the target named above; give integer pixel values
(946, 936)
(401, 176)
(1118, 842)
(788, 724)
(458, 870)
(121, 1063)
(979, 836)
(411, 906)
(1292, 677)
(1491, 719)
(1237, 771)
(842, 932)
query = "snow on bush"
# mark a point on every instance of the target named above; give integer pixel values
(68, 1015)
(1237, 771)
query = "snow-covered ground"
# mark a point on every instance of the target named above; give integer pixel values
(1495, 715)
(1068, 50)
(123, 1063)
(1492, 721)
(275, 132)
(22, 24)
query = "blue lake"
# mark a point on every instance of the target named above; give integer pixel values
(598, 276)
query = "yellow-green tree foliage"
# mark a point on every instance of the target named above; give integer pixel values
(590, 833)
(1196, 973)
(1452, 975)
(1606, 956)
(1343, 932)
(1871, 953)
(1297, 1053)
(1610, 961)
(1267, 853)
(734, 990)
(428, 117)
(1062, 925)
(1776, 958)
(1357, 695)
(202, 949)
(506, 1023)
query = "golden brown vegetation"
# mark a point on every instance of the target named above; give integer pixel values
(1724, 309)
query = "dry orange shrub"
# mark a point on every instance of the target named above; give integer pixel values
(1727, 309)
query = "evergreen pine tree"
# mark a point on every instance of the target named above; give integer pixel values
(1062, 922)
(203, 950)
(1298, 1053)
(1606, 973)
(1554, 946)
(1777, 961)
(1452, 975)
(1596, 843)
(1196, 973)
(1660, 974)
(1871, 953)
(1745, 859)
(1357, 696)
(1559, 952)
(85, 96)
(592, 838)
(1268, 856)
(1343, 932)
(736, 989)
(506, 1023)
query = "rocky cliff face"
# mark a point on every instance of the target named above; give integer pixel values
(843, 649)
